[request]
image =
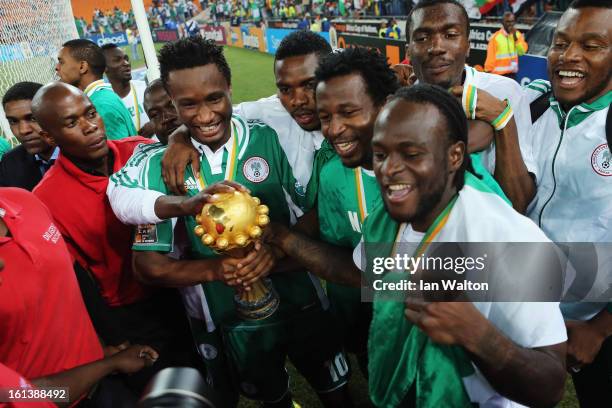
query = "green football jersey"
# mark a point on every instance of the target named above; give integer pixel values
(344, 198)
(262, 167)
(117, 119)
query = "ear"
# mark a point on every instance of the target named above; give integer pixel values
(47, 138)
(83, 67)
(456, 156)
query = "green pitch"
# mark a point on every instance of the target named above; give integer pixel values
(252, 75)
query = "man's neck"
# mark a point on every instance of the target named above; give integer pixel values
(99, 166)
(87, 80)
(46, 154)
(121, 87)
(425, 222)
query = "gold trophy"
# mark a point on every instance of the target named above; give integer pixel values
(230, 225)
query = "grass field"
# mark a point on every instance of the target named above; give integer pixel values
(252, 75)
(252, 78)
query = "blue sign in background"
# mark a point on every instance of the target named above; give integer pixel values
(275, 35)
(531, 67)
(115, 38)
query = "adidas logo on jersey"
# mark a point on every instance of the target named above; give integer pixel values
(190, 184)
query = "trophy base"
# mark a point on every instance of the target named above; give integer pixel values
(259, 305)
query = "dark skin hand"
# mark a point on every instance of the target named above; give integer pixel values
(80, 380)
(584, 339)
(147, 130)
(510, 170)
(533, 377)
(480, 133)
(171, 206)
(157, 269)
(178, 155)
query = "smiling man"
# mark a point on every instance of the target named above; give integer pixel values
(352, 88)
(452, 354)
(198, 79)
(24, 165)
(571, 146)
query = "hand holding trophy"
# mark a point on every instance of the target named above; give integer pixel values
(230, 225)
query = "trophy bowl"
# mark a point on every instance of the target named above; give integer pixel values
(230, 225)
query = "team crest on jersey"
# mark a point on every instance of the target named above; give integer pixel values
(256, 169)
(146, 234)
(601, 160)
(209, 352)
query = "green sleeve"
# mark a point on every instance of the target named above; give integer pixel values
(117, 119)
(486, 177)
(143, 170)
(609, 307)
(5, 146)
(322, 156)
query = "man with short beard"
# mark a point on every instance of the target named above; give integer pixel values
(438, 46)
(119, 74)
(453, 354)
(571, 147)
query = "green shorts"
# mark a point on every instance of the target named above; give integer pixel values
(352, 316)
(257, 351)
(211, 349)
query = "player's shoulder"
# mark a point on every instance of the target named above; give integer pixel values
(535, 89)
(332, 168)
(494, 83)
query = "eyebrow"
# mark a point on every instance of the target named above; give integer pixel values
(444, 27)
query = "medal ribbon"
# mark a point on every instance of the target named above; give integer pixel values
(231, 166)
(93, 87)
(361, 198)
(469, 98)
(433, 230)
(136, 107)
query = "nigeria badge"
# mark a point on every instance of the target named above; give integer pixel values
(256, 169)
(601, 160)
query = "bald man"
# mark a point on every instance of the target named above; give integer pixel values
(75, 193)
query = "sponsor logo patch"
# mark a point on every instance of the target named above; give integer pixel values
(256, 169)
(146, 234)
(601, 160)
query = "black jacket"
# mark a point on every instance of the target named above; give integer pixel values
(18, 168)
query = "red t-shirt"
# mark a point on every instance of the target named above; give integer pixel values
(44, 326)
(95, 237)
(12, 380)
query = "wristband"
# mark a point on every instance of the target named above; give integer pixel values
(502, 120)
(469, 98)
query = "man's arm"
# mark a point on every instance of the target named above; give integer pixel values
(585, 338)
(81, 379)
(510, 170)
(330, 262)
(530, 376)
(480, 135)
(521, 44)
(154, 268)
